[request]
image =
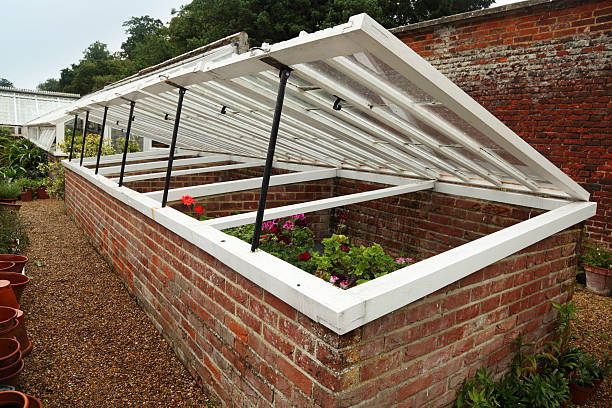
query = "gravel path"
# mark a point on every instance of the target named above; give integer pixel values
(93, 345)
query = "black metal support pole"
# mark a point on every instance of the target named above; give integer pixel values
(101, 139)
(74, 127)
(85, 128)
(177, 120)
(125, 145)
(284, 75)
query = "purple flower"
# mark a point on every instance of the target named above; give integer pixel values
(289, 225)
(333, 279)
(344, 284)
(298, 217)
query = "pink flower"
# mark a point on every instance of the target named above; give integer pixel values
(333, 279)
(344, 284)
(289, 225)
(400, 260)
(298, 217)
(187, 200)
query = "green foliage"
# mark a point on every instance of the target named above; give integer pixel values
(597, 256)
(13, 235)
(6, 83)
(91, 145)
(200, 22)
(352, 265)
(54, 180)
(27, 184)
(20, 158)
(203, 21)
(478, 392)
(9, 190)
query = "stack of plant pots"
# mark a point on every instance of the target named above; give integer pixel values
(18, 399)
(19, 261)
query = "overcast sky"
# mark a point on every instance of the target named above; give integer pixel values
(40, 37)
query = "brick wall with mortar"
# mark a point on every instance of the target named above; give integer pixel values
(250, 349)
(543, 68)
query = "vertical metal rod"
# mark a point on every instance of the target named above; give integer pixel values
(74, 127)
(125, 145)
(101, 139)
(177, 120)
(85, 128)
(284, 76)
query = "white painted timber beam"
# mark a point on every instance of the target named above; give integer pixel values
(116, 158)
(242, 185)
(161, 164)
(406, 285)
(311, 206)
(162, 174)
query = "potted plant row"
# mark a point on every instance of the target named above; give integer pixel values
(597, 263)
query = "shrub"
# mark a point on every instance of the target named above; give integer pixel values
(91, 146)
(13, 235)
(20, 158)
(9, 190)
(54, 179)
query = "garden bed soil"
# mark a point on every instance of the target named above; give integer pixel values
(93, 345)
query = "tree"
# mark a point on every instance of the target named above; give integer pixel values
(147, 43)
(50, 84)
(97, 51)
(203, 21)
(5, 82)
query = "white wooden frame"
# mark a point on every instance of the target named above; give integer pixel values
(343, 310)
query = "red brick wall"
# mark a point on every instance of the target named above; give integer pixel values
(425, 223)
(251, 349)
(545, 72)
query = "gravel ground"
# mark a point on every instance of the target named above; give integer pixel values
(93, 345)
(595, 329)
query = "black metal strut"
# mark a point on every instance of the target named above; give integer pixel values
(285, 72)
(74, 127)
(177, 120)
(101, 139)
(127, 139)
(85, 128)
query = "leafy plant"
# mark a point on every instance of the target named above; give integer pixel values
(597, 256)
(478, 392)
(9, 190)
(27, 184)
(22, 157)
(13, 235)
(545, 390)
(54, 179)
(91, 145)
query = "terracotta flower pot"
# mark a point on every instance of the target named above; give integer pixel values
(14, 399)
(9, 332)
(18, 282)
(599, 280)
(10, 369)
(19, 260)
(27, 195)
(6, 266)
(21, 333)
(42, 193)
(578, 394)
(34, 402)
(7, 315)
(7, 296)
(10, 351)
(12, 379)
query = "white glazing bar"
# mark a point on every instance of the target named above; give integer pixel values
(160, 164)
(311, 206)
(371, 128)
(389, 91)
(334, 87)
(242, 185)
(114, 158)
(175, 173)
(390, 50)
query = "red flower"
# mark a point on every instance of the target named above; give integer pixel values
(285, 239)
(344, 248)
(187, 200)
(275, 229)
(199, 209)
(304, 257)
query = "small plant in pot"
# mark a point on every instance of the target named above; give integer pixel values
(41, 190)
(27, 189)
(597, 263)
(588, 376)
(9, 192)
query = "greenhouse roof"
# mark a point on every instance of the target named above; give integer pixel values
(18, 106)
(357, 98)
